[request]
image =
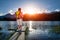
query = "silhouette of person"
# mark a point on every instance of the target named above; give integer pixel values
(19, 18)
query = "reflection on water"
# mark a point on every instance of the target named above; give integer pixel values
(30, 25)
(5, 25)
(39, 30)
(42, 30)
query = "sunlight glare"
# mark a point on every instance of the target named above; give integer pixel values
(30, 27)
(30, 10)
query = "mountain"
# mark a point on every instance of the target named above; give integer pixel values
(53, 16)
(1, 17)
(8, 17)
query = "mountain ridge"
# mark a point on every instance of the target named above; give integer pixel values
(53, 16)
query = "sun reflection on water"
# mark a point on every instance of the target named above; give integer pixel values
(30, 26)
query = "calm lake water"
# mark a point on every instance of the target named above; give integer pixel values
(38, 30)
(5, 25)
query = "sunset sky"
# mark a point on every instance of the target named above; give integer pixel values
(37, 5)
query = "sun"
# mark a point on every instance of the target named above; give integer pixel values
(30, 10)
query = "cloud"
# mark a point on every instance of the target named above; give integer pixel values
(1, 14)
(47, 11)
(57, 10)
(11, 12)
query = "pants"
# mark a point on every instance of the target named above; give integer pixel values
(19, 23)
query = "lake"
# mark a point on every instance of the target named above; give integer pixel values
(38, 30)
(5, 25)
(44, 30)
